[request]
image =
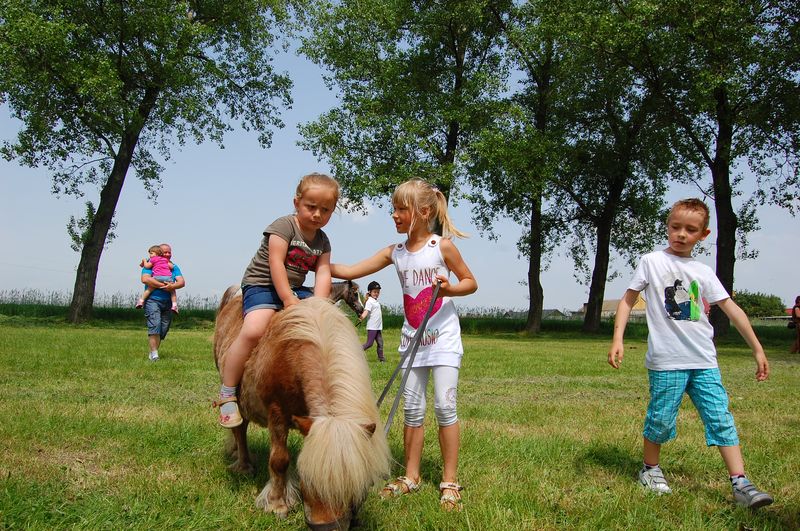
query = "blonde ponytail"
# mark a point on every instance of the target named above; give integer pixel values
(417, 195)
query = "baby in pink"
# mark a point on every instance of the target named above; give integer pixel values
(162, 270)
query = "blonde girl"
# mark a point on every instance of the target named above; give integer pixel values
(292, 246)
(421, 260)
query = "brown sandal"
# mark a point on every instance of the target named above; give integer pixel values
(398, 487)
(450, 502)
(232, 420)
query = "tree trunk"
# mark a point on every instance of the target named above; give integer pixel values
(83, 293)
(80, 308)
(597, 289)
(602, 255)
(535, 290)
(541, 119)
(727, 222)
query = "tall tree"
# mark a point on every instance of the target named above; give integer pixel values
(510, 172)
(104, 86)
(417, 80)
(611, 183)
(729, 75)
(512, 163)
(610, 188)
(578, 154)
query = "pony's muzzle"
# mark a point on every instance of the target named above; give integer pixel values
(343, 524)
(346, 521)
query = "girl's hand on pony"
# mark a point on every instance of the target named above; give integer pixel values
(291, 301)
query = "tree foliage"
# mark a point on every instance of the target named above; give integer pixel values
(78, 228)
(513, 165)
(727, 72)
(509, 172)
(570, 118)
(417, 81)
(611, 181)
(757, 304)
(580, 155)
(104, 86)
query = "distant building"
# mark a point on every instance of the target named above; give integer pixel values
(610, 307)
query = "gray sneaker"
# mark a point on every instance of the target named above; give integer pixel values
(747, 495)
(153, 356)
(653, 479)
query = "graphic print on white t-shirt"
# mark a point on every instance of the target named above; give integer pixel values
(681, 304)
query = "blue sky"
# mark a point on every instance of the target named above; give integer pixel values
(215, 204)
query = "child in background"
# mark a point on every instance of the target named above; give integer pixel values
(796, 320)
(372, 308)
(681, 357)
(162, 271)
(292, 246)
(421, 260)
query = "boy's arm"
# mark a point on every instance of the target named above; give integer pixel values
(322, 276)
(742, 324)
(365, 267)
(617, 350)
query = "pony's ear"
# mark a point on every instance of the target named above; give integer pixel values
(369, 428)
(303, 424)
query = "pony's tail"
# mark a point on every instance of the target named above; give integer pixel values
(340, 461)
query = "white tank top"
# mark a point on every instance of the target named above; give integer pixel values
(441, 341)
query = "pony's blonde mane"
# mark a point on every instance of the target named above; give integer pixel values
(339, 460)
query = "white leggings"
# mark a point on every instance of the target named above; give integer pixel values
(445, 384)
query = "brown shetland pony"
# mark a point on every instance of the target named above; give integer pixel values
(308, 372)
(347, 291)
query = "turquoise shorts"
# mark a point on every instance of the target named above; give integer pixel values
(704, 387)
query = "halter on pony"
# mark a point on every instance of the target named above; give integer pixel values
(347, 291)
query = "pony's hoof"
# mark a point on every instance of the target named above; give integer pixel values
(276, 507)
(242, 468)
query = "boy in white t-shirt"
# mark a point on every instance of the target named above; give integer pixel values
(681, 357)
(372, 308)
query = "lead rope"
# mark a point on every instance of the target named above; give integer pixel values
(410, 357)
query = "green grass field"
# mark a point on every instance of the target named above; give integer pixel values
(93, 436)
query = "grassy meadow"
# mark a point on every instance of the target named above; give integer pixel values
(94, 436)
